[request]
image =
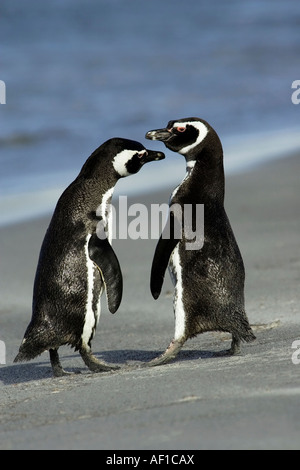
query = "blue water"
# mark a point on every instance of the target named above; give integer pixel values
(78, 72)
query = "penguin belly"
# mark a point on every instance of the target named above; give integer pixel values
(208, 299)
(175, 270)
(93, 296)
(66, 302)
(195, 302)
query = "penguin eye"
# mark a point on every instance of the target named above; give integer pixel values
(180, 129)
(142, 154)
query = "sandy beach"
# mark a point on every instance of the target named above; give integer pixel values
(200, 401)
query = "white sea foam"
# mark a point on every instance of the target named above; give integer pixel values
(247, 151)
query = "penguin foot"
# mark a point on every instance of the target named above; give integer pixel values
(101, 366)
(235, 348)
(57, 369)
(169, 354)
(94, 364)
(60, 372)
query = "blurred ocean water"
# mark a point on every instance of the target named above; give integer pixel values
(79, 72)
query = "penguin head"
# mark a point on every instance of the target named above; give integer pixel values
(123, 157)
(130, 156)
(188, 136)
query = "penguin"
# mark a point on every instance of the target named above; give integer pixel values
(208, 281)
(77, 262)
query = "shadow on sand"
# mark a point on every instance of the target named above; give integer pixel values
(126, 359)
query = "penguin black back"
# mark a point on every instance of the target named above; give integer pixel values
(209, 279)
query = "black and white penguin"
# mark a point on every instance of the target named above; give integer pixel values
(77, 261)
(208, 281)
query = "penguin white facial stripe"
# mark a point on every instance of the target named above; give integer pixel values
(90, 322)
(203, 131)
(120, 160)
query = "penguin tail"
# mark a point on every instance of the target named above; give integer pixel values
(28, 350)
(244, 331)
(249, 336)
(20, 357)
(24, 356)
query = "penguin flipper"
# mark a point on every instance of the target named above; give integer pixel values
(171, 235)
(103, 255)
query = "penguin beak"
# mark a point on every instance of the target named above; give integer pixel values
(159, 134)
(152, 155)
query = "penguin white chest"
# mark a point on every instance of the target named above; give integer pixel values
(175, 270)
(92, 307)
